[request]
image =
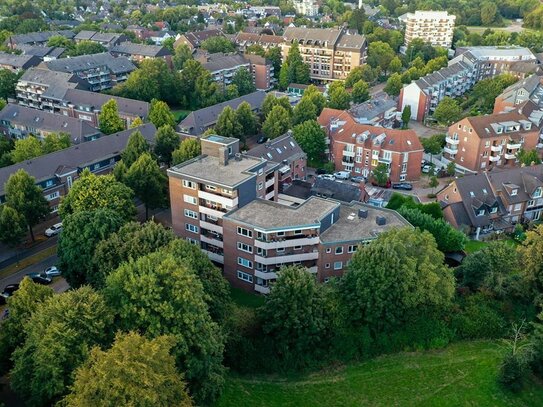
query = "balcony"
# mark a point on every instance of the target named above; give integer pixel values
(212, 211)
(266, 275)
(452, 150)
(270, 182)
(496, 149)
(513, 146)
(211, 240)
(270, 195)
(211, 226)
(348, 153)
(384, 160)
(289, 258)
(261, 289)
(452, 141)
(214, 256)
(510, 156)
(494, 158)
(302, 241)
(224, 201)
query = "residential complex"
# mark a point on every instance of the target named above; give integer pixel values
(331, 53)
(360, 148)
(380, 110)
(36, 38)
(140, 52)
(308, 8)
(244, 40)
(494, 200)
(483, 142)
(434, 27)
(107, 40)
(530, 88)
(17, 63)
(195, 38)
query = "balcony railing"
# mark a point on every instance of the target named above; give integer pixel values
(219, 258)
(496, 149)
(211, 226)
(513, 145)
(212, 239)
(287, 258)
(494, 158)
(453, 141)
(279, 244)
(266, 275)
(261, 289)
(224, 201)
(450, 150)
(510, 156)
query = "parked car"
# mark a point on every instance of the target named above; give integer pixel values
(330, 177)
(54, 230)
(52, 271)
(358, 179)
(342, 175)
(320, 171)
(40, 278)
(262, 140)
(426, 168)
(406, 186)
(10, 289)
(375, 184)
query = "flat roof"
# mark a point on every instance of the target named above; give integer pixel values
(207, 168)
(268, 215)
(349, 227)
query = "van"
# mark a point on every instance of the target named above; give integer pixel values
(342, 175)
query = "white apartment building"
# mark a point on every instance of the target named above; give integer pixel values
(435, 27)
(308, 8)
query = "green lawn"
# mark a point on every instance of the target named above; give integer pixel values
(463, 374)
(245, 299)
(473, 246)
(180, 114)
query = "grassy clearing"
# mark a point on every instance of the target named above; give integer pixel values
(180, 114)
(473, 246)
(463, 374)
(28, 261)
(245, 299)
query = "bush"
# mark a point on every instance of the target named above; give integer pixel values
(479, 317)
(513, 371)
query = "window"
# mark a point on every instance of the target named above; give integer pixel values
(339, 250)
(52, 196)
(327, 266)
(245, 247)
(328, 250)
(54, 208)
(517, 207)
(338, 265)
(280, 250)
(297, 232)
(351, 249)
(69, 181)
(189, 199)
(191, 214)
(245, 277)
(245, 232)
(261, 252)
(192, 241)
(245, 263)
(514, 192)
(260, 171)
(480, 212)
(404, 167)
(297, 247)
(537, 193)
(260, 186)
(48, 183)
(191, 228)
(211, 188)
(493, 210)
(280, 233)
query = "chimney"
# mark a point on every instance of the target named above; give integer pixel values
(362, 213)
(380, 220)
(223, 156)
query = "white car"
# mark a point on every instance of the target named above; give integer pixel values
(426, 169)
(52, 271)
(342, 175)
(327, 176)
(54, 230)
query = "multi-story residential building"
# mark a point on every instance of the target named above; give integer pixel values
(222, 66)
(264, 11)
(195, 38)
(494, 200)
(530, 88)
(108, 40)
(482, 142)
(463, 71)
(36, 38)
(244, 40)
(98, 71)
(198, 121)
(140, 52)
(434, 27)
(18, 122)
(36, 81)
(42, 52)
(262, 71)
(17, 63)
(380, 110)
(205, 188)
(56, 172)
(308, 8)
(331, 53)
(360, 148)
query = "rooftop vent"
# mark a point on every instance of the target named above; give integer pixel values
(362, 213)
(238, 157)
(380, 220)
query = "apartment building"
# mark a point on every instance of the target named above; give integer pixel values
(462, 72)
(530, 88)
(309, 8)
(97, 71)
(243, 40)
(56, 172)
(42, 52)
(19, 122)
(483, 142)
(16, 63)
(380, 110)
(36, 38)
(222, 66)
(360, 148)
(140, 52)
(494, 200)
(107, 40)
(194, 39)
(262, 71)
(434, 27)
(331, 53)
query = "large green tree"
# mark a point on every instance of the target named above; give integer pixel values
(166, 141)
(244, 81)
(394, 85)
(13, 226)
(55, 142)
(380, 55)
(160, 114)
(8, 81)
(448, 111)
(188, 149)
(228, 125)
(109, 119)
(26, 149)
(135, 371)
(135, 146)
(270, 101)
(531, 262)
(277, 123)
(182, 54)
(316, 97)
(23, 195)
(86, 47)
(528, 157)
(303, 111)
(218, 44)
(338, 97)
(247, 119)
(360, 92)
(311, 138)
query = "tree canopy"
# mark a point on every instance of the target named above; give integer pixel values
(160, 114)
(109, 119)
(311, 138)
(188, 149)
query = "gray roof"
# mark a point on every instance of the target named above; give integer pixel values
(280, 149)
(325, 37)
(41, 51)
(268, 215)
(495, 52)
(373, 108)
(46, 77)
(443, 74)
(50, 122)
(524, 179)
(219, 61)
(39, 37)
(198, 121)
(19, 61)
(197, 37)
(78, 156)
(85, 62)
(337, 190)
(129, 48)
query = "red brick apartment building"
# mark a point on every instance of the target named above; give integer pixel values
(359, 148)
(484, 142)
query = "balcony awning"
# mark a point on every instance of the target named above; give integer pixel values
(284, 169)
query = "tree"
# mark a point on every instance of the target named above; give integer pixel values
(284, 76)
(86, 47)
(26, 149)
(12, 226)
(187, 150)
(274, 54)
(380, 174)
(109, 119)
(398, 276)
(448, 111)
(91, 192)
(406, 116)
(231, 92)
(380, 54)
(528, 157)
(247, 119)
(358, 73)
(296, 318)
(338, 97)
(485, 91)
(316, 97)
(244, 81)
(451, 168)
(303, 111)
(360, 92)
(395, 65)
(58, 340)
(136, 123)
(55, 142)
(166, 141)
(311, 138)
(148, 182)
(135, 371)
(25, 197)
(394, 85)
(277, 123)
(433, 183)
(160, 114)
(270, 101)
(171, 303)
(433, 145)
(182, 55)
(81, 232)
(293, 70)
(227, 124)
(135, 146)
(60, 41)
(488, 13)
(8, 81)
(217, 44)
(531, 260)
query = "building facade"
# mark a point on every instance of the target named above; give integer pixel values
(434, 27)
(530, 88)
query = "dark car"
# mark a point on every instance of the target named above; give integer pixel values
(10, 289)
(320, 171)
(358, 180)
(406, 186)
(262, 140)
(375, 184)
(40, 278)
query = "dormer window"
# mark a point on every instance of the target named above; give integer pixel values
(493, 210)
(480, 212)
(537, 193)
(514, 192)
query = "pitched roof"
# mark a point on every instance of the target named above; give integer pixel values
(39, 37)
(85, 62)
(197, 37)
(281, 149)
(19, 61)
(46, 77)
(219, 61)
(41, 51)
(488, 125)
(524, 179)
(337, 190)
(77, 156)
(129, 48)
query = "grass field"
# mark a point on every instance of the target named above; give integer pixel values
(180, 114)
(245, 299)
(463, 374)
